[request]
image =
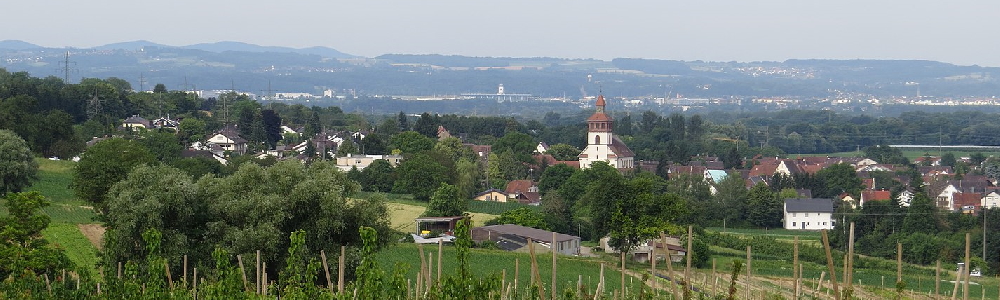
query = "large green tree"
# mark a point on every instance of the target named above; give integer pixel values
(17, 165)
(104, 164)
(763, 207)
(419, 175)
(410, 142)
(564, 152)
(522, 216)
(377, 177)
(838, 179)
(445, 202)
(174, 208)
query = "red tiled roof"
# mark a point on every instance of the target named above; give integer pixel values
(876, 195)
(599, 117)
(518, 186)
(600, 100)
(967, 199)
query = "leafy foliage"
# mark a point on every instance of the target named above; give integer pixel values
(17, 166)
(106, 163)
(22, 248)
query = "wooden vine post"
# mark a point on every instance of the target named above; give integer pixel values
(829, 265)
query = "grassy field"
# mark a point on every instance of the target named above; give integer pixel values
(78, 248)
(66, 212)
(781, 234)
(401, 216)
(486, 262)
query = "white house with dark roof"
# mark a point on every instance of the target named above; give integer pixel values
(602, 144)
(135, 122)
(229, 139)
(808, 214)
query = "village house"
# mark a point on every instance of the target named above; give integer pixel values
(524, 191)
(136, 122)
(868, 195)
(229, 140)
(808, 214)
(491, 195)
(361, 161)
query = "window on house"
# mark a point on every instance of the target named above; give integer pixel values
(807, 215)
(793, 224)
(824, 223)
(597, 139)
(794, 215)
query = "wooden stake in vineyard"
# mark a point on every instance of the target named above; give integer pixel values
(553, 249)
(937, 279)
(670, 267)
(749, 272)
(829, 265)
(326, 269)
(623, 274)
(850, 259)
(967, 268)
(340, 269)
(440, 249)
(243, 273)
(256, 269)
(688, 255)
(795, 268)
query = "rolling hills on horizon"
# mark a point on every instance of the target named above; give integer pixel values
(221, 46)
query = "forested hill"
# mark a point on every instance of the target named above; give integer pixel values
(248, 67)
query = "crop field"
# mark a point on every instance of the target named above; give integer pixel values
(781, 234)
(66, 212)
(79, 249)
(486, 262)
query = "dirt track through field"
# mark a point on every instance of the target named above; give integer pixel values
(94, 233)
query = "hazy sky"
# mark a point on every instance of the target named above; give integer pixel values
(956, 31)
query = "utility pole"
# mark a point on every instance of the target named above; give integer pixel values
(66, 67)
(142, 83)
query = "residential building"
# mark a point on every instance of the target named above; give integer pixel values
(808, 214)
(136, 122)
(867, 196)
(361, 161)
(524, 191)
(491, 195)
(229, 139)
(991, 200)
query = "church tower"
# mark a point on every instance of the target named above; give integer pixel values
(602, 145)
(599, 126)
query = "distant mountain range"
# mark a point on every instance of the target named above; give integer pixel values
(211, 47)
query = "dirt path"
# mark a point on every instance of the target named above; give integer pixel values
(94, 233)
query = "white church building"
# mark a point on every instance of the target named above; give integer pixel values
(602, 144)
